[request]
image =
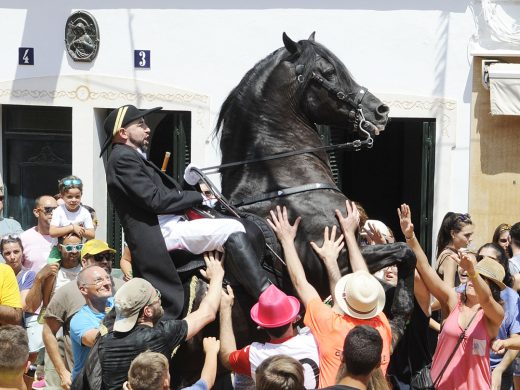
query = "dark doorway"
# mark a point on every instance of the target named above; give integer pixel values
(37, 152)
(398, 169)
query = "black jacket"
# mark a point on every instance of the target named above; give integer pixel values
(140, 191)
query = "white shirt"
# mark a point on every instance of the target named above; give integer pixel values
(301, 347)
(63, 217)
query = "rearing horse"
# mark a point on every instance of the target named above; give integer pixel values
(275, 109)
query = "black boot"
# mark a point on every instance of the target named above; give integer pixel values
(242, 262)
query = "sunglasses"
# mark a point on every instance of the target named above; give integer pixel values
(70, 248)
(47, 209)
(71, 182)
(10, 238)
(464, 217)
(109, 257)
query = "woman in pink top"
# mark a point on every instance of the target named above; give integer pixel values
(480, 304)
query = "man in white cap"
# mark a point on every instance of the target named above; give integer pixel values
(359, 298)
(138, 326)
(277, 313)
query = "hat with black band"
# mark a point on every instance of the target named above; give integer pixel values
(121, 117)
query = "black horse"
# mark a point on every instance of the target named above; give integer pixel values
(275, 109)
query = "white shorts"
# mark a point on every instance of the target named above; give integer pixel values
(199, 235)
(34, 333)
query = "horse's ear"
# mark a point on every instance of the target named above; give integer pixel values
(289, 44)
(311, 37)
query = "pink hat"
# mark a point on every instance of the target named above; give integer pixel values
(275, 308)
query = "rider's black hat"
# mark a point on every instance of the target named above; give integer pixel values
(120, 117)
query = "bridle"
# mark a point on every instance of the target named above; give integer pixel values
(355, 114)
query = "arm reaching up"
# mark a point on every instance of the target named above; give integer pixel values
(286, 233)
(446, 296)
(329, 253)
(349, 226)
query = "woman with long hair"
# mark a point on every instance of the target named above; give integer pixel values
(461, 360)
(501, 238)
(455, 233)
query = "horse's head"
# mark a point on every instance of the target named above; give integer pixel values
(327, 93)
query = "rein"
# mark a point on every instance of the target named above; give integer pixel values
(355, 145)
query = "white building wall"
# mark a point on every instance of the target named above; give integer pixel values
(412, 53)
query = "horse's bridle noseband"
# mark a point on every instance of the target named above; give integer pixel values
(356, 112)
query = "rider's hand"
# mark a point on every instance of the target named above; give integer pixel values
(190, 175)
(350, 223)
(209, 202)
(331, 247)
(214, 269)
(279, 222)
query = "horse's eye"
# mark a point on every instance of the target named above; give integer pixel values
(328, 73)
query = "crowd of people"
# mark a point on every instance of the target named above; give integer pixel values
(67, 323)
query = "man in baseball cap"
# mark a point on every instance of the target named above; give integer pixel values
(277, 313)
(151, 206)
(139, 324)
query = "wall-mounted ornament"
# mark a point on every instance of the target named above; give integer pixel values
(82, 36)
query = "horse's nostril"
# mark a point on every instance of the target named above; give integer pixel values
(383, 109)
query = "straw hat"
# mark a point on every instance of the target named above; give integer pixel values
(360, 295)
(492, 270)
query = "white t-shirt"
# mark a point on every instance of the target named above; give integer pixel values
(302, 347)
(36, 248)
(63, 217)
(66, 275)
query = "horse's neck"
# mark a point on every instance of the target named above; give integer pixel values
(269, 137)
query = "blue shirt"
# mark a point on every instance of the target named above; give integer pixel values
(199, 385)
(511, 322)
(85, 319)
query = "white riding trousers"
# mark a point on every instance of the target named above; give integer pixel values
(199, 235)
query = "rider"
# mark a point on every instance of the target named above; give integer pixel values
(151, 205)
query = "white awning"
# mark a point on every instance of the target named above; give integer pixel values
(504, 88)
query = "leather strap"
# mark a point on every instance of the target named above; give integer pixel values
(285, 192)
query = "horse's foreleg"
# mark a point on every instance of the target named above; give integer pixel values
(380, 256)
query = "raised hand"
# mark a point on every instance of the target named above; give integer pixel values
(214, 265)
(467, 261)
(374, 234)
(405, 220)
(211, 345)
(331, 247)
(227, 298)
(349, 223)
(280, 224)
